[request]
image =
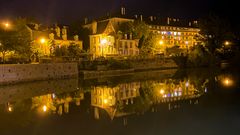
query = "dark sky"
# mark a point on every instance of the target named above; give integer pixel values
(67, 10)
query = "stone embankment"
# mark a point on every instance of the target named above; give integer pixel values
(32, 72)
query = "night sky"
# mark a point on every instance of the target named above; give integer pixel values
(65, 11)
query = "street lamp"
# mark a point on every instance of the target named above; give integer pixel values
(43, 41)
(227, 43)
(103, 43)
(161, 42)
(6, 25)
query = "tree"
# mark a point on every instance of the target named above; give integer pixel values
(215, 31)
(76, 29)
(74, 50)
(6, 45)
(16, 39)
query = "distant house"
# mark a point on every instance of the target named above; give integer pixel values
(105, 40)
(42, 36)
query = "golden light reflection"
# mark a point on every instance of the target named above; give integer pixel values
(162, 91)
(10, 109)
(6, 25)
(44, 108)
(227, 43)
(160, 42)
(227, 82)
(105, 101)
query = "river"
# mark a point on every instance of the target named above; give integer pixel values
(167, 102)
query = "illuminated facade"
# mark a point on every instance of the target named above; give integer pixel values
(108, 98)
(170, 36)
(45, 39)
(106, 41)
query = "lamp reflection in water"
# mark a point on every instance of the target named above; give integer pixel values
(44, 108)
(227, 82)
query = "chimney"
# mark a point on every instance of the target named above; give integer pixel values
(151, 18)
(58, 31)
(125, 36)
(36, 26)
(85, 20)
(94, 27)
(168, 20)
(64, 33)
(136, 16)
(123, 11)
(130, 36)
(190, 24)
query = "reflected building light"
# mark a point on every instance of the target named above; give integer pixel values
(175, 94)
(162, 91)
(10, 109)
(44, 108)
(206, 90)
(105, 101)
(187, 84)
(227, 82)
(53, 96)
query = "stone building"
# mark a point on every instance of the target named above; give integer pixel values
(106, 41)
(56, 35)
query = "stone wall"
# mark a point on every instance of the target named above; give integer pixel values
(154, 64)
(31, 72)
(27, 90)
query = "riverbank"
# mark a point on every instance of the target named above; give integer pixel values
(16, 73)
(136, 66)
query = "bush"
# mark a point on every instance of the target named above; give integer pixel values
(119, 64)
(197, 57)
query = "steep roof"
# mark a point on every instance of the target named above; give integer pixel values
(101, 26)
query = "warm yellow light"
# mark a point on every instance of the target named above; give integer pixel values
(227, 82)
(186, 42)
(6, 25)
(10, 109)
(227, 43)
(160, 42)
(44, 108)
(103, 41)
(42, 40)
(105, 101)
(162, 91)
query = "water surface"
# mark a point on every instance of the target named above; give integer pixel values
(194, 101)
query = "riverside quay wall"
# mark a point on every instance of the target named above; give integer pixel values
(31, 72)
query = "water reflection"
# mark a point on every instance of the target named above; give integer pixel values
(147, 102)
(118, 100)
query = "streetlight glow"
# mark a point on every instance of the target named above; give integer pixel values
(42, 40)
(10, 109)
(103, 41)
(162, 91)
(227, 43)
(160, 42)
(105, 101)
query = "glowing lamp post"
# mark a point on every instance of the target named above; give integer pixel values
(43, 41)
(161, 43)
